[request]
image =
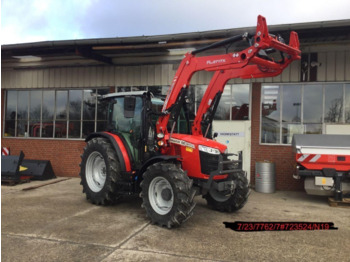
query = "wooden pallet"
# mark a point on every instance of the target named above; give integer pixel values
(333, 203)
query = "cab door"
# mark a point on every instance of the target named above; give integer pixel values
(127, 124)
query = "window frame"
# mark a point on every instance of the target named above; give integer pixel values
(302, 85)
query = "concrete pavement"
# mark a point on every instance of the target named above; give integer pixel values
(56, 223)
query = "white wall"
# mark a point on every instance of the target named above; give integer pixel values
(236, 135)
(333, 129)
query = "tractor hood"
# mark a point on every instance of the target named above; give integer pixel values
(195, 141)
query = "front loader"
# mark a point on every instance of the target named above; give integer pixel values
(150, 147)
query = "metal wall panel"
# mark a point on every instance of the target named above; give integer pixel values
(330, 67)
(238, 81)
(81, 77)
(144, 74)
(347, 65)
(63, 77)
(195, 78)
(277, 79)
(21, 81)
(6, 78)
(99, 76)
(203, 77)
(335, 66)
(39, 80)
(321, 70)
(340, 66)
(18, 76)
(137, 76)
(128, 76)
(165, 72)
(285, 75)
(294, 72)
(157, 75)
(93, 76)
(151, 75)
(51, 78)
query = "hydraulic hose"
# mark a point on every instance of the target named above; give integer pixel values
(230, 40)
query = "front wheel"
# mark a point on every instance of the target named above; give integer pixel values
(167, 194)
(229, 202)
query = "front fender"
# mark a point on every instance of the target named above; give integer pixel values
(156, 159)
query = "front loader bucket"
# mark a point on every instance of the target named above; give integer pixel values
(10, 166)
(38, 169)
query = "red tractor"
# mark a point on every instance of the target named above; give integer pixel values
(150, 148)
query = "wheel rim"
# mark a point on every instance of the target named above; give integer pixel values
(161, 196)
(95, 171)
(219, 196)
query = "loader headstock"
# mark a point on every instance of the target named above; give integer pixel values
(265, 40)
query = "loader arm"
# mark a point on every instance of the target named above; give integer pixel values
(217, 84)
(244, 64)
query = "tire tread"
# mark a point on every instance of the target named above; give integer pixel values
(108, 194)
(183, 194)
(237, 200)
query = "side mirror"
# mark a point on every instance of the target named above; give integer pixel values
(129, 106)
(215, 135)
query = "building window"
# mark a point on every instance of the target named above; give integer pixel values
(270, 111)
(224, 110)
(240, 101)
(234, 102)
(347, 103)
(290, 109)
(334, 103)
(54, 113)
(74, 113)
(11, 114)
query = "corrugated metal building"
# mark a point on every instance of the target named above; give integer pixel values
(49, 93)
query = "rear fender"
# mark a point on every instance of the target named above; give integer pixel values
(119, 147)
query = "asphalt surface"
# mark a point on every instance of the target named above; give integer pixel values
(56, 223)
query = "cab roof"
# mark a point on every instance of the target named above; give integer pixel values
(155, 100)
(132, 93)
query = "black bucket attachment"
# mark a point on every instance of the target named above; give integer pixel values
(15, 168)
(10, 167)
(38, 169)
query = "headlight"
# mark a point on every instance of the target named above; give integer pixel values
(209, 150)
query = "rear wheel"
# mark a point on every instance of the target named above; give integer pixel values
(100, 171)
(167, 194)
(230, 201)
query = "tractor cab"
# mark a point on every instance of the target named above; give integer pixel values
(133, 116)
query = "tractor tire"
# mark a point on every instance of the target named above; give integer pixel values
(100, 171)
(230, 202)
(167, 194)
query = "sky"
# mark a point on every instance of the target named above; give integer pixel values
(25, 21)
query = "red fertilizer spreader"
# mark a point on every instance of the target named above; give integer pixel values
(324, 162)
